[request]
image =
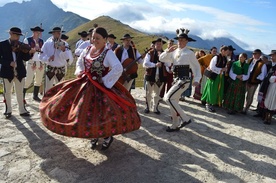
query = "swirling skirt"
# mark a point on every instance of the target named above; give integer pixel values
(77, 108)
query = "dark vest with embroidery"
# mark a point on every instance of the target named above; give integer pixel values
(151, 72)
(130, 51)
(31, 42)
(257, 70)
(221, 61)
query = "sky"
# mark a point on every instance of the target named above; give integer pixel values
(249, 23)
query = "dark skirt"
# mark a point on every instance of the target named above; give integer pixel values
(77, 108)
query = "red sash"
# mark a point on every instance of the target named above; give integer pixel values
(120, 101)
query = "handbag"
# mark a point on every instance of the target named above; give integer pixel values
(210, 74)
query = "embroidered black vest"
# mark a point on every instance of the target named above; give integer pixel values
(151, 72)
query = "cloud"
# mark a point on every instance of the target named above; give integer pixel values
(127, 14)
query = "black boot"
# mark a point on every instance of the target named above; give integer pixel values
(24, 92)
(35, 97)
(147, 109)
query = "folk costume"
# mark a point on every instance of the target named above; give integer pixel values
(258, 72)
(123, 54)
(155, 78)
(55, 69)
(268, 91)
(93, 105)
(214, 89)
(34, 66)
(113, 45)
(183, 59)
(235, 95)
(13, 76)
(83, 38)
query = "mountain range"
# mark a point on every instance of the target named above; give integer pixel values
(32, 13)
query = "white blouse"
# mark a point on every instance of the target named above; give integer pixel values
(110, 61)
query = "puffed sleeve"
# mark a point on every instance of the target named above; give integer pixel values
(115, 71)
(80, 63)
(166, 57)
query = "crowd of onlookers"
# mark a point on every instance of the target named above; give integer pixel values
(230, 81)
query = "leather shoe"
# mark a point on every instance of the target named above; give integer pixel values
(184, 123)
(37, 99)
(106, 145)
(8, 115)
(210, 109)
(146, 110)
(25, 114)
(169, 129)
(258, 115)
(157, 112)
(94, 143)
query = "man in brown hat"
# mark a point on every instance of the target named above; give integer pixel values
(34, 66)
(126, 53)
(56, 55)
(13, 70)
(111, 42)
(83, 37)
(258, 72)
(155, 76)
(183, 59)
(84, 44)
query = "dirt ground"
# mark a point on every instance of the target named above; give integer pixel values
(216, 147)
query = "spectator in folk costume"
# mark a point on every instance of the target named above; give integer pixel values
(111, 44)
(197, 94)
(268, 90)
(12, 54)
(56, 55)
(83, 38)
(94, 105)
(182, 59)
(155, 76)
(168, 84)
(214, 89)
(34, 67)
(86, 43)
(231, 58)
(235, 95)
(126, 52)
(204, 62)
(258, 71)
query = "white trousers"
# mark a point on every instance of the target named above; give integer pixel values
(18, 86)
(49, 83)
(128, 85)
(172, 99)
(35, 72)
(153, 95)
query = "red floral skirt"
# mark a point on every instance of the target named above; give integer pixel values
(77, 108)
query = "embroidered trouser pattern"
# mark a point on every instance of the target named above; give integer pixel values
(172, 99)
(153, 94)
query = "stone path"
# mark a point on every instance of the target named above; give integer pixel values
(216, 147)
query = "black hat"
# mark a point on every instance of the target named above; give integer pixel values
(56, 29)
(16, 30)
(183, 33)
(171, 41)
(272, 52)
(64, 37)
(83, 34)
(37, 28)
(158, 40)
(111, 36)
(126, 36)
(231, 48)
(257, 51)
